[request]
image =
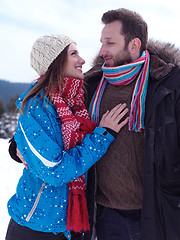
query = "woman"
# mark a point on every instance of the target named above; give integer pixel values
(50, 199)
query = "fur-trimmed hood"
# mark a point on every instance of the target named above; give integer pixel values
(163, 56)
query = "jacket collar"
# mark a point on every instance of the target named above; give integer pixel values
(158, 68)
(163, 57)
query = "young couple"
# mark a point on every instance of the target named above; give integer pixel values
(136, 165)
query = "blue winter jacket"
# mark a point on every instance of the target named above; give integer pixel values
(41, 198)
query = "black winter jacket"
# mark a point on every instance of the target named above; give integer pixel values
(161, 174)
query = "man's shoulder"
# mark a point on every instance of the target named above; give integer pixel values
(92, 79)
(91, 83)
(93, 75)
(170, 81)
(174, 75)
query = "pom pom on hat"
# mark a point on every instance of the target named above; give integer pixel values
(46, 49)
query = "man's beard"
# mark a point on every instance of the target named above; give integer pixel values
(122, 62)
(126, 58)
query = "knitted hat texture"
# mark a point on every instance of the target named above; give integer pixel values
(46, 49)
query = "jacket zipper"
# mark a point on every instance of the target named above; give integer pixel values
(35, 203)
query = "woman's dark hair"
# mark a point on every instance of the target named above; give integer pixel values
(133, 25)
(48, 82)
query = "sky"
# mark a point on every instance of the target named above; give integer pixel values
(23, 21)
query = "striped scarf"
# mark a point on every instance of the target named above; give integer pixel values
(75, 125)
(124, 75)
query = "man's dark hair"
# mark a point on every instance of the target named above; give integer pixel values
(133, 25)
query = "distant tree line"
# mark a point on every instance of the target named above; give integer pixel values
(9, 92)
(2, 110)
(11, 107)
(8, 118)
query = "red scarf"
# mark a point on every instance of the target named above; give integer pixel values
(75, 125)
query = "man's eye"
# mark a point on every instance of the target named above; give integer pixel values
(73, 53)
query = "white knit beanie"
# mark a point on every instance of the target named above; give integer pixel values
(46, 49)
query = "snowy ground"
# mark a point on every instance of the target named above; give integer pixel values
(10, 171)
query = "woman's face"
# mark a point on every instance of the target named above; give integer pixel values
(74, 63)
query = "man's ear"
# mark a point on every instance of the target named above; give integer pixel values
(134, 45)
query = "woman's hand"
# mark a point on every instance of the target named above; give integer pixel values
(111, 119)
(21, 157)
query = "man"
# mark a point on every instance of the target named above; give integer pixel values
(138, 179)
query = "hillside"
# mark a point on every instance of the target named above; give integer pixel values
(11, 89)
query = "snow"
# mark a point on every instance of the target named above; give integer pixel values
(10, 172)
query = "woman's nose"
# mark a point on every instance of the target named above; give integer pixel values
(81, 60)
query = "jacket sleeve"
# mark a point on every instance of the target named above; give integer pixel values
(46, 158)
(12, 150)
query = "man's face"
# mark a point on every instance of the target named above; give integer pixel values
(113, 49)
